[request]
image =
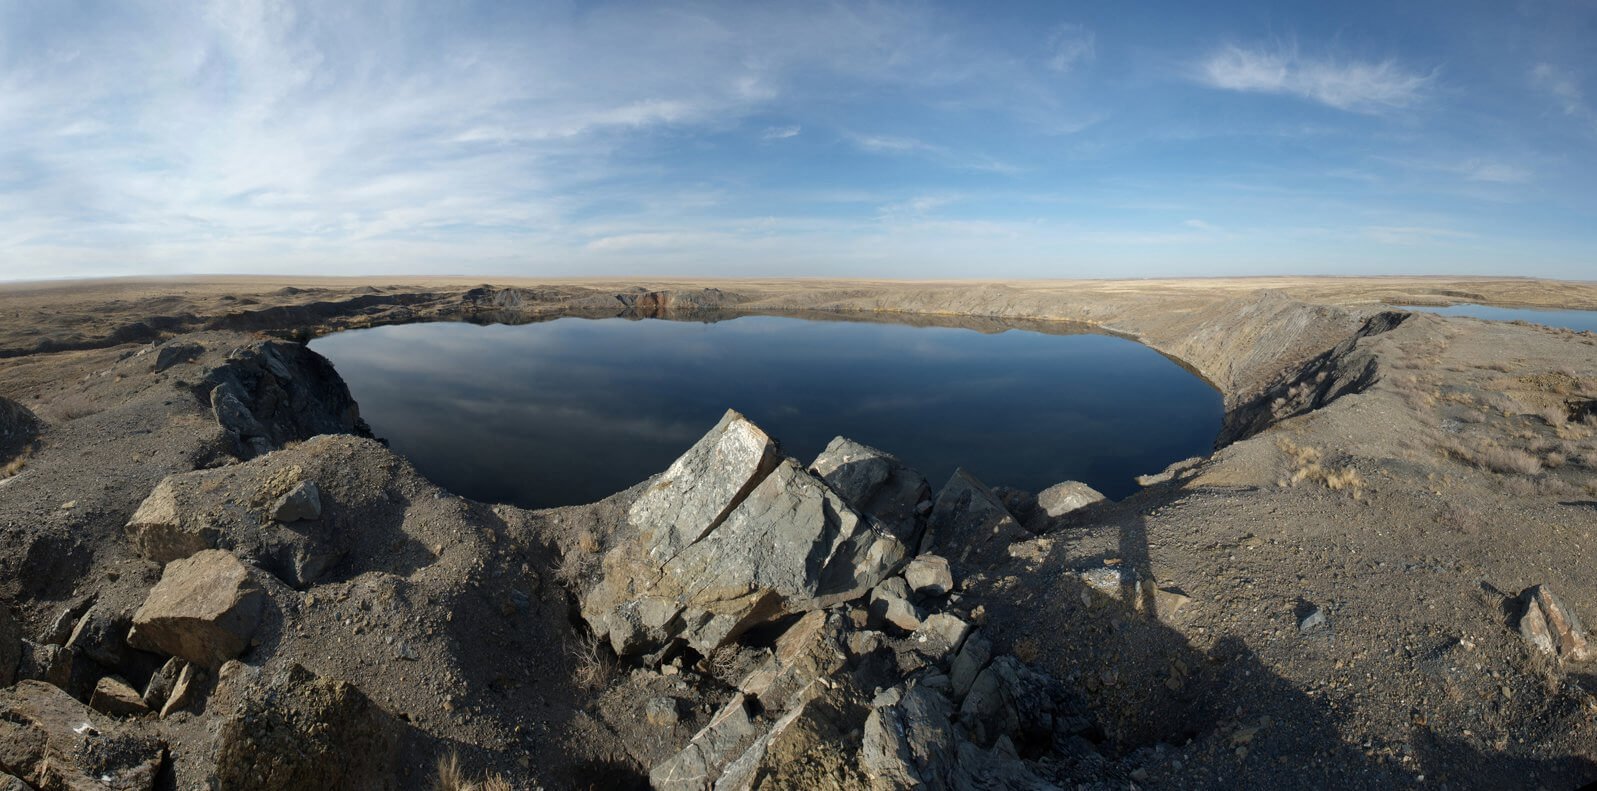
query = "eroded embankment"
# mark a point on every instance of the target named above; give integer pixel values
(1257, 351)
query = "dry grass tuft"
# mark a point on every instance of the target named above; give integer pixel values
(1520, 487)
(13, 467)
(1510, 460)
(1308, 464)
(578, 560)
(451, 777)
(593, 666)
(69, 407)
(1496, 458)
(1553, 416)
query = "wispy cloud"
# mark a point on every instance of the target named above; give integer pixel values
(1493, 172)
(1415, 234)
(1562, 85)
(943, 155)
(1355, 86)
(780, 132)
(893, 145)
(1070, 46)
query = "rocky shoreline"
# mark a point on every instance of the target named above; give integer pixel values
(217, 578)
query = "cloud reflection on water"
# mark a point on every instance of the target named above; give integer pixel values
(572, 410)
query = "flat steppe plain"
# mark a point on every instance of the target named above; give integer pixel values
(1331, 599)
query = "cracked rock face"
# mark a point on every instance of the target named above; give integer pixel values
(271, 392)
(700, 489)
(49, 741)
(878, 484)
(1552, 627)
(728, 539)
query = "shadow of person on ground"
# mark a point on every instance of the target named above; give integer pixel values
(1215, 718)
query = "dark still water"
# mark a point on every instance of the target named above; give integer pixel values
(1568, 319)
(573, 410)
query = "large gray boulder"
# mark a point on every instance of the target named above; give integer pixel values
(741, 546)
(271, 392)
(969, 524)
(204, 610)
(700, 489)
(172, 522)
(877, 484)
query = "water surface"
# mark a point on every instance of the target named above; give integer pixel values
(1570, 319)
(572, 410)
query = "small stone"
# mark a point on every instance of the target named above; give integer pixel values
(113, 696)
(301, 503)
(161, 683)
(891, 605)
(188, 681)
(661, 712)
(1314, 619)
(1062, 498)
(929, 575)
(943, 633)
(1169, 601)
(1551, 627)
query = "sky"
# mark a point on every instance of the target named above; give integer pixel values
(913, 140)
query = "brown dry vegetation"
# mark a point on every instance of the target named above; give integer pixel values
(1308, 464)
(451, 777)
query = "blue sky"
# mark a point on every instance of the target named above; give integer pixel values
(871, 139)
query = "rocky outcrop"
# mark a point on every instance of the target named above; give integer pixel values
(18, 428)
(1549, 626)
(10, 646)
(176, 352)
(51, 741)
(272, 392)
(1348, 368)
(969, 524)
(653, 302)
(729, 538)
(805, 716)
(204, 610)
(294, 729)
(294, 513)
